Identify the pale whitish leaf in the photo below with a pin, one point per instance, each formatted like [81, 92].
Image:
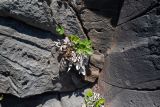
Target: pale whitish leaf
[83, 70]
[1, 97]
[69, 67]
[77, 67]
[83, 105]
[66, 40]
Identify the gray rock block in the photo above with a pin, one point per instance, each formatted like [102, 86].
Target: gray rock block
[132, 9]
[74, 99]
[134, 60]
[27, 66]
[99, 29]
[33, 12]
[120, 97]
[43, 14]
[127, 33]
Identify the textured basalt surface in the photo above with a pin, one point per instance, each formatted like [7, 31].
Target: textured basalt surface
[125, 32]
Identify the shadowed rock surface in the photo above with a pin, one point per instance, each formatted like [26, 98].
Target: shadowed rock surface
[70, 99]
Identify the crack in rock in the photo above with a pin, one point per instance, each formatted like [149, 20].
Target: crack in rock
[134, 89]
[142, 13]
[78, 17]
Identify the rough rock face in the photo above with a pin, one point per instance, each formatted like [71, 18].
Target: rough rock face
[28, 58]
[139, 60]
[42, 14]
[127, 33]
[121, 97]
[31, 12]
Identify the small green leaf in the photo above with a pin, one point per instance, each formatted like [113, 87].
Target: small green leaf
[87, 42]
[60, 30]
[100, 102]
[82, 46]
[74, 38]
[1, 97]
[89, 93]
[79, 51]
[89, 51]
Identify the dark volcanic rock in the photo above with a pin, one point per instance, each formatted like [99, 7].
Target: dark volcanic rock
[132, 9]
[28, 58]
[70, 99]
[132, 63]
[134, 59]
[127, 32]
[27, 66]
[119, 97]
[42, 14]
[32, 12]
[99, 29]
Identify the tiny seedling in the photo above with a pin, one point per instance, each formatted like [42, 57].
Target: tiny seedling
[60, 30]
